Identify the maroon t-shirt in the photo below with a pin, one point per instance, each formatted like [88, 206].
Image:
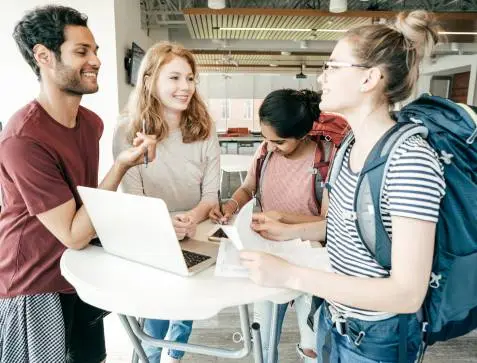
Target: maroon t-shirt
[41, 163]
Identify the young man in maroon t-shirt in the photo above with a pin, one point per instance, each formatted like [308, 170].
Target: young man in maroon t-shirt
[47, 149]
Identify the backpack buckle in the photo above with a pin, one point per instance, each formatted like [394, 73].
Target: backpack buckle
[446, 157]
[434, 283]
[424, 326]
[416, 120]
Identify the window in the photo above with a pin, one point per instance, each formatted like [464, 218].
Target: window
[248, 110]
[225, 109]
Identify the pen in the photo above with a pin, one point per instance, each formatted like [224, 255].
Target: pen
[220, 202]
[144, 132]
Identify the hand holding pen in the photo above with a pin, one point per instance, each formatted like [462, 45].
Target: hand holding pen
[222, 212]
[143, 150]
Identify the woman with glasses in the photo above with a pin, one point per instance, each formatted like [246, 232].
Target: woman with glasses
[371, 69]
[186, 172]
[286, 118]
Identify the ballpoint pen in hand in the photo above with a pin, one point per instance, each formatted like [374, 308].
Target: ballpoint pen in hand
[220, 202]
[144, 132]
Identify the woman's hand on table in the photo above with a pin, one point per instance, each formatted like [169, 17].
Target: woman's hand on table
[184, 226]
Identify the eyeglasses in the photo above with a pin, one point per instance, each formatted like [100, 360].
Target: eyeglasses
[332, 65]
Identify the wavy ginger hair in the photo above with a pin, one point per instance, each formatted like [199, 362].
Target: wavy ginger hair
[144, 104]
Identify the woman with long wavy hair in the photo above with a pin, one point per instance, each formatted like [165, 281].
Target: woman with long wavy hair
[186, 173]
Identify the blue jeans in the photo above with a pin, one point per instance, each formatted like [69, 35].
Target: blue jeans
[179, 331]
[378, 342]
[262, 314]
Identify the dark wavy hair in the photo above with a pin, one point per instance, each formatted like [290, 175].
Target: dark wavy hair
[291, 113]
[45, 25]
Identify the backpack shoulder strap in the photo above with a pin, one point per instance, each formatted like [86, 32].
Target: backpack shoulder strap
[324, 153]
[262, 162]
[472, 114]
[319, 170]
[369, 189]
[338, 160]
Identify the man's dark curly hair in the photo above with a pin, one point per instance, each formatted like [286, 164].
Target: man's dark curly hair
[45, 25]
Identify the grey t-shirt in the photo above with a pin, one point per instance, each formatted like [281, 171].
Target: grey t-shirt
[182, 174]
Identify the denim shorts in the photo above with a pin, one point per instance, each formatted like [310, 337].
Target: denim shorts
[365, 341]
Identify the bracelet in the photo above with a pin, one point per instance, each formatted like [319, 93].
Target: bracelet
[237, 206]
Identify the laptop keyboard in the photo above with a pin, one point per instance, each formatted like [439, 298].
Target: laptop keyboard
[192, 258]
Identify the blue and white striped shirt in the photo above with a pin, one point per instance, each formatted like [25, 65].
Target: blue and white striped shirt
[413, 188]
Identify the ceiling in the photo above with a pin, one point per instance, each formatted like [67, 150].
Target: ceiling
[259, 61]
[301, 21]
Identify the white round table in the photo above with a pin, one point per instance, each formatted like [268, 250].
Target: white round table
[135, 290]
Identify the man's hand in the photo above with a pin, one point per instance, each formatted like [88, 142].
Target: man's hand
[265, 269]
[135, 155]
[270, 228]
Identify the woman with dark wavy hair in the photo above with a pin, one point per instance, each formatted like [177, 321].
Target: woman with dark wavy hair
[286, 192]
[186, 174]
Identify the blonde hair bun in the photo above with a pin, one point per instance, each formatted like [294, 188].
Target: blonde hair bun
[420, 28]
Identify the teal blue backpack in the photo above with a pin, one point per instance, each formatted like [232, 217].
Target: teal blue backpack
[450, 307]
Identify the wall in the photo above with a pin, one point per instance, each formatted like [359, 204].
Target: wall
[127, 32]
[251, 85]
[240, 87]
[114, 23]
[449, 65]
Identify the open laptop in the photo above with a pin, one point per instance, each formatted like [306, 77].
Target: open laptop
[140, 229]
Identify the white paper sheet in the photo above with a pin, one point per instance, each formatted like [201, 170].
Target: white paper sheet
[297, 252]
[244, 237]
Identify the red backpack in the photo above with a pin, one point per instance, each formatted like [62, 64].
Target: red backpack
[328, 132]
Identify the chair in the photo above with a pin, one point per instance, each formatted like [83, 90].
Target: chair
[234, 164]
[237, 132]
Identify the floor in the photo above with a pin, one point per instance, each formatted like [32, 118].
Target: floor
[218, 331]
